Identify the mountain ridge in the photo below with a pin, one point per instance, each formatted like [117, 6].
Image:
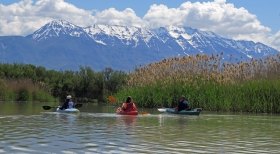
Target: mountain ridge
[62, 45]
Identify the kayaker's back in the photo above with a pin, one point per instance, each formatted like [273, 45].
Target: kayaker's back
[130, 107]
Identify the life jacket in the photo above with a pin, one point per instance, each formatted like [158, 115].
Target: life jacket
[70, 105]
[183, 105]
[129, 107]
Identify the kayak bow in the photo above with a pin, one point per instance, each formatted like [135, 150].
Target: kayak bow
[72, 110]
[195, 111]
[127, 113]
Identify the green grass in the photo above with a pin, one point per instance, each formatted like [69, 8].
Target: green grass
[259, 96]
[23, 90]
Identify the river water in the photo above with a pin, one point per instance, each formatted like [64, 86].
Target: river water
[28, 129]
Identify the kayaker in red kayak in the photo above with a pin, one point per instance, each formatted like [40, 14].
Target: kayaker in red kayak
[127, 107]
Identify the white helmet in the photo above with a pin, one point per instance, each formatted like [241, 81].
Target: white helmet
[68, 97]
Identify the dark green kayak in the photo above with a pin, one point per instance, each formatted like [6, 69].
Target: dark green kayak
[195, 111]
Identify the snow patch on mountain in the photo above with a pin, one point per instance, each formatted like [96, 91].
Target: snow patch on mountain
[124, 33]
[163, 41]
[58, 28]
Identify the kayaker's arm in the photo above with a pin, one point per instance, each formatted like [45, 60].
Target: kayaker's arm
[124, 106]
[134, 106]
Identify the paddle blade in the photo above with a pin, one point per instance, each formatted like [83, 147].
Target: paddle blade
[144, 113]
[162, 110]
[78, 105]
[46, 107]
[112, 99]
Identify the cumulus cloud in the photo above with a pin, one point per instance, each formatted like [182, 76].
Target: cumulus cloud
[217, 16]
[112, 16]
[161, 16]
[26, 16]
[275, 40]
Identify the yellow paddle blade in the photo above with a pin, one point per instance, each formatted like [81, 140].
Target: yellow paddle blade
[112, 99]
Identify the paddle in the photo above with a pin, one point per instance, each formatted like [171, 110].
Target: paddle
[78, 105]
[143, 113]
[112, 99]
[45, 107]
[162, 109]
[48, 107]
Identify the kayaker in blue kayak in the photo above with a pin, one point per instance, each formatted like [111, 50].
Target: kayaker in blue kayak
[183, 104]
[68, 104]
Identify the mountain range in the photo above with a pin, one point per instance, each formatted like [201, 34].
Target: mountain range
[61, 45]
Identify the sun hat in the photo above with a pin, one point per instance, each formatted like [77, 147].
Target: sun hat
[68, 97]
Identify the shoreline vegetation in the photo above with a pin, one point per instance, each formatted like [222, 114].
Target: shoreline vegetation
[25, 82]
[207, 82]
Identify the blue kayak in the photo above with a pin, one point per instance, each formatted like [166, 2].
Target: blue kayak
[72, 110]
[195, 111]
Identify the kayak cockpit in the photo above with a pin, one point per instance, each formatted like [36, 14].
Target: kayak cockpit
[71, 110]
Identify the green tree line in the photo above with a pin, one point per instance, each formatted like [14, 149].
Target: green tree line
[25, 82]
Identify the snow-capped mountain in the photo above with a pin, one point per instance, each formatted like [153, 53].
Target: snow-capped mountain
[58, 28]
[62, 45]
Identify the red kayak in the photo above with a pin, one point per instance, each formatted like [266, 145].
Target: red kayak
[121, 112]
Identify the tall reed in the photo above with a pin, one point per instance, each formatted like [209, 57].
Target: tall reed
[23, 90]
[252, 86]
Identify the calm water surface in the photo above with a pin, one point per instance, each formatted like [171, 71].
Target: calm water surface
[27, 128]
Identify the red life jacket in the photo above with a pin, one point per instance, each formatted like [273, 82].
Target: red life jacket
[130, 107]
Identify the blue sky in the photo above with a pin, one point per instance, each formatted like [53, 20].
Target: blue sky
[257, 20]
[267, 11]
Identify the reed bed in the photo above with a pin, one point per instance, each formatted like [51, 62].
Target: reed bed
[23, 90]
[252, 86]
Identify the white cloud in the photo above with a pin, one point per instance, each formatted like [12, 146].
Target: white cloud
[26, 16]
[275, 40]
[218, 16]
[112, 16]
[223, 18]
[161, 15]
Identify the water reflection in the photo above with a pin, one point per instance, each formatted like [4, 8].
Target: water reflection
[100, 132]
[129, 121]
[66, 118]
[181, 121]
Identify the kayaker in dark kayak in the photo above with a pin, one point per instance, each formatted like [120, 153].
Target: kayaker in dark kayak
[183, 104]
[127, 106]
[68, 104]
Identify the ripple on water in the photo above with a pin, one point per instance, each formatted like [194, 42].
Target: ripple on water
[111, 133]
